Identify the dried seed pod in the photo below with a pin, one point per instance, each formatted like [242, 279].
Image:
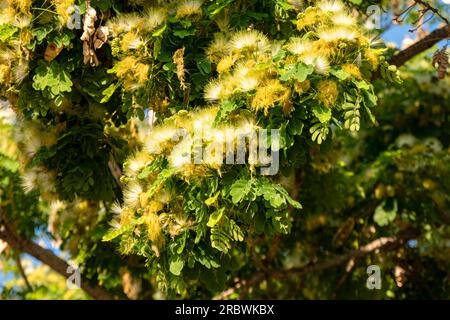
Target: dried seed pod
[440, 58]
[100, 37]
[93, 38]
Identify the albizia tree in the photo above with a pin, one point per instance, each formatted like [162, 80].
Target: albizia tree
[127, 110]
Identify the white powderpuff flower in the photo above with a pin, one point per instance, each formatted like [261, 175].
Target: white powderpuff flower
[321, 65]
[29, 181]
[340, 33]
[241, 70]
[218, 48]
[206, 117]
[181, 154]
[189, 7]
[331, 6]
[252, 39]
[32, 143]
[135, 164]
[299, 46]
[21, 21]
[126, 23]
[153, 17]
[275, 49]
[213, 91]
[37, 178]
[248, 83]
[342, 19]
[3, 246]
[433, 143]
[114, 224]
[131, 194]
[158, 136]
[405, 140]
[246, 127]
[116, 209]
[136, 43]
[310, 60]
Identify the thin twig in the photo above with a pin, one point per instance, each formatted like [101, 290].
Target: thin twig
[22, 272]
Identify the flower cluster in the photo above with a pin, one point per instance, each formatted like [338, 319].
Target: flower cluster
[131, 44]
[16, 15]
[310, 71]
[328, 49]
[171, 149]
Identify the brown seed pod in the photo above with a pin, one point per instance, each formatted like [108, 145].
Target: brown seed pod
[440, 58]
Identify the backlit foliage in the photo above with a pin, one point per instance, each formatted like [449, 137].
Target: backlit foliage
[126, 195]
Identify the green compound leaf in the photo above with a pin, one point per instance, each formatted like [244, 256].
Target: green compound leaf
[176, 265]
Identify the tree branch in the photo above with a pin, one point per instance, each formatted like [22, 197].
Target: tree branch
[22, 272]
[420, 46]
[49, 258]
[384, 243]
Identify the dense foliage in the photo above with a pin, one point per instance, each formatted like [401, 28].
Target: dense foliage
[362, 147]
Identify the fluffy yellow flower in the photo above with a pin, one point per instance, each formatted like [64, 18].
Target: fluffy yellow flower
[225, 64]
[125, 65]
[321, 65]
[327, 92]
[131, 41]
[153, 18]
[160, 138]
[343, 19]
[136, 163]
[154, 230]
[132, 195]
[271, 93]
[218, 48]
[22, 6]
[131, 22]
[133, 73]
[189, 8]
[5, 74]
[253, 41]
[353, 70]
[214, 91]
[142, 72]
[302, 87]
[325, 48]
[338, 33]
[372, 58]
[193, 171]
[310, 17]
[333, 6]
[299, 46]
[63, 9]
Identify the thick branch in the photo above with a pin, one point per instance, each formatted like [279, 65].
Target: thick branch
[420, 46]
[384, 243]
[49, 258]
